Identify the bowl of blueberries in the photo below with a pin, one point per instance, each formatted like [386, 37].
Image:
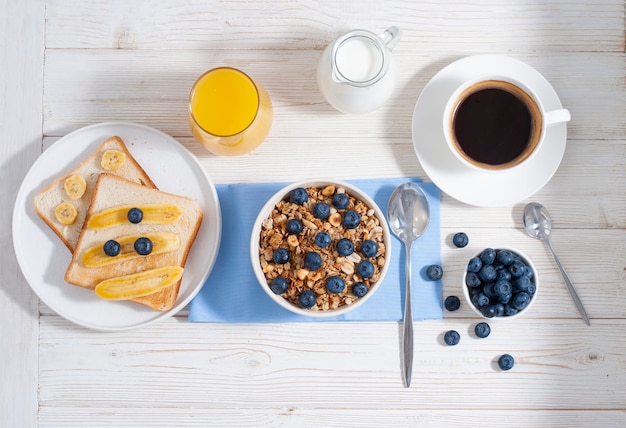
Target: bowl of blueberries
[500, 283]
[319, 248]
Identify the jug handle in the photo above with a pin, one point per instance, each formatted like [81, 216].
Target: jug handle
[390, 36]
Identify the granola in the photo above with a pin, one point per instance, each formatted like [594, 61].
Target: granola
[275, 235]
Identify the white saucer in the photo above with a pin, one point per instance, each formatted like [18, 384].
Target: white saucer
[466, 184]
[43, 258]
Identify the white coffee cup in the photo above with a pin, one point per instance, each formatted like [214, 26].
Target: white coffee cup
[494, 123]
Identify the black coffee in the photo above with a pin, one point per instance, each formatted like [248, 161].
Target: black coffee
[493, 126]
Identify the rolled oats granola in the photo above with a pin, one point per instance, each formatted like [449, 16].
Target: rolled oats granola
[342, 276]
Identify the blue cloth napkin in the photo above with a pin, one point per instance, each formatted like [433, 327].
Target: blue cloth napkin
[232, 294]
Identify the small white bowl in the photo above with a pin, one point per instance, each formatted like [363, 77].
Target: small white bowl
[535, 281]
[265, 213]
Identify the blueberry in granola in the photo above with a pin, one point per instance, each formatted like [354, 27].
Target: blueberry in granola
[294, 226]
[341, 200]
[279, 285]
[350, 219]
[312, 260]
[299, 196]
[321, 210]
[323, 239]
[334, 284]
[369, 248]
[345, 247]
[307, 299]
[359, 289]
[365, 269]
[281, 256]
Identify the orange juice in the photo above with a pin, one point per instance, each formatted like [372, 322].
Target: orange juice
[229, 113]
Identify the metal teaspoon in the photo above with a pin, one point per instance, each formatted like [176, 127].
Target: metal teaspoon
[538, 224]
[408, 215]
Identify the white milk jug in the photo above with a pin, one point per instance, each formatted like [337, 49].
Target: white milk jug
[357, 73]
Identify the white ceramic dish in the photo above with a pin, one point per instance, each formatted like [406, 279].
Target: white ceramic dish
[265, 212]
[535, 280]
[470, 185]
[43, 258]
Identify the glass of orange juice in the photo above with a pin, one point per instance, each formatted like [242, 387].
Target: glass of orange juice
[229, 113]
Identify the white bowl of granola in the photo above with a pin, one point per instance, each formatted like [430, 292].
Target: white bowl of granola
[319, 248]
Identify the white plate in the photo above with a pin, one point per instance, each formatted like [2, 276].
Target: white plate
[466, 184]
[43, 258]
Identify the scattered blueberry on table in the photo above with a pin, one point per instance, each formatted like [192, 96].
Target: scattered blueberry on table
[452, 337]
[460, 240]
[434, 272]
[482, 330]
[452, 303]
[506, 362]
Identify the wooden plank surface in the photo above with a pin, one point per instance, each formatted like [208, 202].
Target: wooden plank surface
[114, 60]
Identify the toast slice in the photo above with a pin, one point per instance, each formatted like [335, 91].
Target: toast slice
[170, 221]
[47, 200]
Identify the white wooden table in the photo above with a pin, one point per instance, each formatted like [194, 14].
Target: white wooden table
[67, 64]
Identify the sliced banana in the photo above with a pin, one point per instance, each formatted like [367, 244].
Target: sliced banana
[138, 284]
[113, 160]
[66, 213]
[152, 214]
[75, 186]
[163, 242]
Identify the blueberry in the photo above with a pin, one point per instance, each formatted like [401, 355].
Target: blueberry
[522, 283]
[488, 256]
[506, 362]
[323, 239]
[503, 274]
[452, 303]
[279, 285]
[345, 247]
[299, 196]
[307, 299]
[509, 309]
[312, 260]
[341, 200]
[135, 215]
[365, 269]
[472, 279]
[520, 300]
[517, 269]
[460, 240]
[350, 219]
[505, 298]
[321, 210]
[488, 311]
[489, 291]
[334, 284]
[505, 257]
[451, 337]
[474, 265]
[532, 289]
[480, 300]
[112, 248]
[281, 256]
[359, 289]
[487, 273]
[482, 330]
[294, 226]
[499, 309]
[502, 287]
[369, 248]
[434, 272]
[143, 246]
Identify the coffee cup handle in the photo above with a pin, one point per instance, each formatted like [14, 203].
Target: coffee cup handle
[557, 116]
